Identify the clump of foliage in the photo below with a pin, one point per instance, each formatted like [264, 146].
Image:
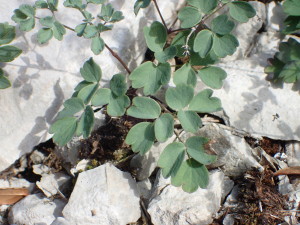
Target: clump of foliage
[183, 161]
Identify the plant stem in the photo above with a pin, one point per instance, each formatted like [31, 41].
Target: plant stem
[162, 19]
[177, 136]
[214, 13]
[118, 58]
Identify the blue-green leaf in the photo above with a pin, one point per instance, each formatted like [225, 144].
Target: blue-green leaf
[106, 12]
[167, 54]
[222, 25]
[7, 33]
[290, 72]
[87, 93]
[4, 82]
[86, 122]
[212, 76]
[203, 43]
[97, 2]
[28, 24]
[72, 106]
[140, 4]
[58, 30]
[91, 71]
[79, 29]
[189, 120]
[292, 7]
[118, 84]
[116, 17]
[179, 97]
[180, 40]
[18, 16]
[44, 35]
[97, 45]
[189, 16]
[156, 36]
[164, 127]
[40, 5]
[144, 108]
[47, 21]
[211, 58]
[185, 75]
[117, 105]
[241, 11]
[28, 10]
[102, 97]
[206, 6]
[8, 53]
[204, 103]
[225, 45]
[90, 31]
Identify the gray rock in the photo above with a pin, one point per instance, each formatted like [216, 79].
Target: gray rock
[293, 153]
[104, 195]
[173, 206]
[60, 221]
[35, 209]
[145, 187]
[17, 183]
[227, 187]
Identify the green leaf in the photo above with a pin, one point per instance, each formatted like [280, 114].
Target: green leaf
[106, 12]
[290, 72]
[144, 108]
[64, 130]
[47, 21]
[87, 15]
[73, 3]
[4, 82]
[72, 106]
[86, 123]
[189, 120]
[40, 5]
[91, 71]
[79, 29]
[118, 84]
[54, 3]
[102, 28]
[140, 4]
[156, 36]
[189, 16]
[196, 150]
[151, 77]
[97, 2]
[289, 51]
[141, 137]
[210, 59]
[225, 45]
[117, 105]
[8, 53]
[222, 25]
[180, 40]
[27, 25]
[164, 127]
[44, 35]
[58, 30]
[88, 92]
[7, 34]
[81, 85]
[171, 159]
[241, 11]
[191, 175]
[116, 17]
[90, 31]
[292, 7]
[28, 10]
[167, 54]
[185, 75]
[212, 76]
[204, 103]
[179, 97]
[275, 68]
[206, 6]
[203, 42]
[102, 97]
[97, 45]
[293, 24]
[18, 16]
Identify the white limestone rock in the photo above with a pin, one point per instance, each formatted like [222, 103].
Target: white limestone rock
[104, 195]
[275, 16]
[293, 153]
[17, 183]
[60, 221]
[173, 206]
[34, 209]
[145, 189]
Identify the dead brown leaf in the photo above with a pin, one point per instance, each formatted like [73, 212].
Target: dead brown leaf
[293, 170]
[10, 196]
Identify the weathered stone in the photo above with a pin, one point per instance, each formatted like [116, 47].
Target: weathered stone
[17, 183]
[145, 189]
[60, 221]
[104, 195]
[293, 153]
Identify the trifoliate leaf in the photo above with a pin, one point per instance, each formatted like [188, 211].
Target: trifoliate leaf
[118, 84]
[79, 29]
[96, 1]
[179, 97]
[212, 76]
[189, 16]
[204, 103]
[206, 6]
[88, 92]
[189, 120]
[222, 25]
[40, 5]
[191, 174]
[275, 68]
[185, 75]
[293, 24]
[28, 10]
[81, 85]
[28, 24]
[87, 15]
[91, 71]
[86, 123]
[151, 77]
[141, 137]
[106, 12]
[241, 11]
[210, 59]
[180, 40]
[288, 51]
[102, 97]
[140, 4]
[292, 7]
[18, 16]
[203, 42]
[58, 30]
[291, 72]
[156, 36]
[4, 82]
[63, 130]
[225, 45]
[117, 105]
[103, 28]
[90, 31]
[164, 127]
[44, 35]
[171, 159]
[167, 54]
[116, 17]
[7, 34]
[196, 150]
[97, 45]
[8, 53]
[47, 21]
[72, 106]
[144, 108]
[73, 3]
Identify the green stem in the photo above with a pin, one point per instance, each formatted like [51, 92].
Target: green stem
[213, 13]
[178, 136]
[162, 19]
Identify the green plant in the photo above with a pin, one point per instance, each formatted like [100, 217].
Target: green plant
[9, 52]
[286, 63]
[204, 45]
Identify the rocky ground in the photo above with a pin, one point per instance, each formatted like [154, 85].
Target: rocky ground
[99, 180]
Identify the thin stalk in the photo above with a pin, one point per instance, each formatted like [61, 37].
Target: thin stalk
[162, 19]
[177, 136]
[213, 13]
[118, 58]
[170, 29]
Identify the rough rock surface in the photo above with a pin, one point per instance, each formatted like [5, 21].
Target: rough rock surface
[104, 195]
[173, 206]
[35, 209]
